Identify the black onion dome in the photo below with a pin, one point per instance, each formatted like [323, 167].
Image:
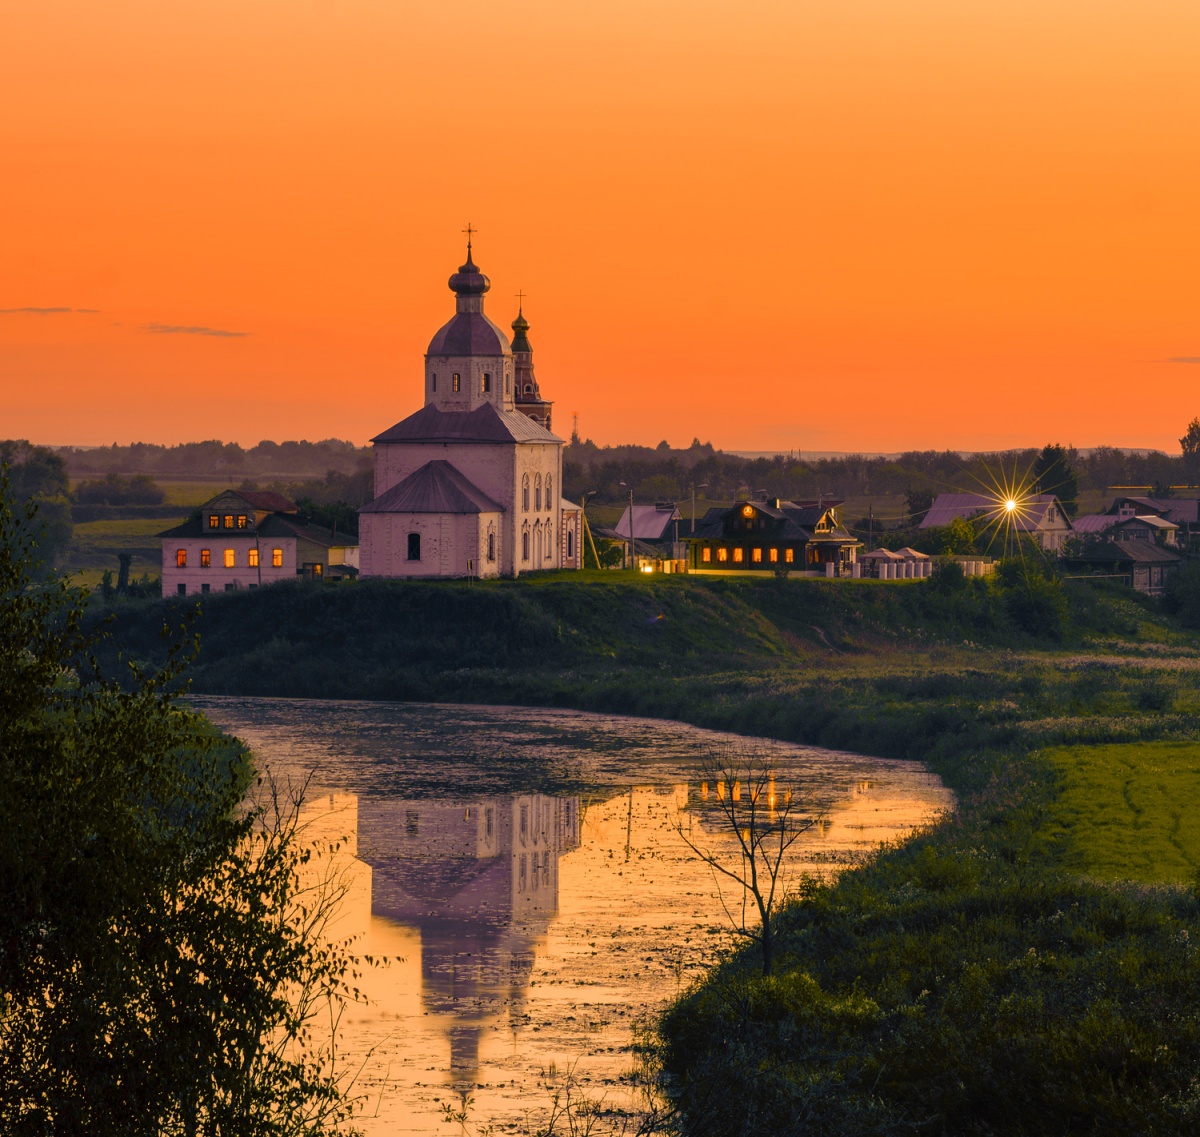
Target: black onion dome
[469, 281]
[520, 340]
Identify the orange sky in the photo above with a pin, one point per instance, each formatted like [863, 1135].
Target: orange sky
[813, 224]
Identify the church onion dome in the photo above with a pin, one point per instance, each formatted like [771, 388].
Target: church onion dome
[469, 281]
[469, 333]
[520, 340]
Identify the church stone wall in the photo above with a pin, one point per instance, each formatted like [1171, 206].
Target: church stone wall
[448, 541]
[499, 470]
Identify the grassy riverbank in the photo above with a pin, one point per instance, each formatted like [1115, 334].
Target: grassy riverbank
[1021, 968]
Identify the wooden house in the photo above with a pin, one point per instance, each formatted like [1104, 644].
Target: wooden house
[770, 534]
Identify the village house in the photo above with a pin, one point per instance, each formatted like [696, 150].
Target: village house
[245, 539]
[770, 534]
[1038, 516]
[470, 484]
[1143, 565]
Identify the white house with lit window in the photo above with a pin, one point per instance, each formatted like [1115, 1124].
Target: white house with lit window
[244, 539]
[470, 485]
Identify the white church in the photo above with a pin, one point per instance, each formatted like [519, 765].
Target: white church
[470, 484]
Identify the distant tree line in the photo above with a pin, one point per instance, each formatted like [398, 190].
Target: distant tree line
[663, 473]
[267, 459]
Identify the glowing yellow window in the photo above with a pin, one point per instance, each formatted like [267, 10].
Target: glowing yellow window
[214, 522]
[205, 558]
[456, 381]
[756, 556]
[277, 558]
[181, 558]
[229, 521]
[739, 555]
[774, 556]
[706, 554]
[230, 558]
[789, 555]
[722, 554]
[241, 522]
[252, 558]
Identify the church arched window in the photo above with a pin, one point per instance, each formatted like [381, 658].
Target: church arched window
[456, 382]
[537, 493]
[525, 544]
[491, 543]
[507, 383]
[570, 544]
[414, 546]
[433, 381]
[549, 497]
[525, 494]
[486, 385]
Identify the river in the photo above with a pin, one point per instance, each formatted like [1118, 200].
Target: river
[524, 873]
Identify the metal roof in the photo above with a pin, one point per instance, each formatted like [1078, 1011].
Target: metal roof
[469, 333]
[1133, 552]
[649, 522]
[437, 487]
[1029, 518]
[484, 424]
[1093, 523]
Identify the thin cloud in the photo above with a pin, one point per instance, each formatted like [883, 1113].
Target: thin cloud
[190, 330]
[35, 311]
[1184, 359]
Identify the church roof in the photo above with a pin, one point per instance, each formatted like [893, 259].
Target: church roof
[484, 424]
[468, 333]
[437, 487]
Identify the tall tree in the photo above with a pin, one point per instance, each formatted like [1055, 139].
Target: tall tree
[159, 962]
[39, 475]
[1053, 473]
[1190, 445]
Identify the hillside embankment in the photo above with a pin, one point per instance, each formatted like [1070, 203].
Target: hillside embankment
[1026, 966]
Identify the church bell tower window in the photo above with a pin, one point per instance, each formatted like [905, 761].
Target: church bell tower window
[433, 381]
[414, 546]
[456, 382]
[486, 385]
[525, 492]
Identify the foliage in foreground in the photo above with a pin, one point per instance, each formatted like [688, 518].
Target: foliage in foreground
[161, 959]
[965, 983]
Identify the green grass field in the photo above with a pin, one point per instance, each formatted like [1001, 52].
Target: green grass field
[1131, 811]
[96, 544]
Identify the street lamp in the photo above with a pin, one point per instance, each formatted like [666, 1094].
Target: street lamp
[630, 489]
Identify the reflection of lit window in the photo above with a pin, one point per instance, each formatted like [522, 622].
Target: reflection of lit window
[181, 558]
[252, 558]
[277, 558]
[230, 558]
[205, 558]
[738, 555]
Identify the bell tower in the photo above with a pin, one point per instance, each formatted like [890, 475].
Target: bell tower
[528, 397]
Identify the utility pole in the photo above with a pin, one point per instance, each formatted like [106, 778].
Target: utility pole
[630, 489]
[694, 488]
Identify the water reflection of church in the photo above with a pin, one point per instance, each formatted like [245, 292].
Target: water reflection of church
[479, 880]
